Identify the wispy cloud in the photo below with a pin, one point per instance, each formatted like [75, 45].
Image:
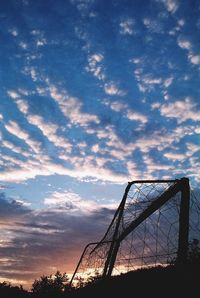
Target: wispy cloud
[71, 107]
[74, 203]
[95, 66]
[185, 44]
[171, 5]
[123, 107]
[127, 27]
[135, 116]
[112, 88]
[181, 110]
[175, 156]
[14, 128]
[15, 148]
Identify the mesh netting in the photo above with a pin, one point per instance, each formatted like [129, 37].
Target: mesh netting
[153, 242]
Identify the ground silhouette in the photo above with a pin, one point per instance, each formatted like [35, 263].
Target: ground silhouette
[174, 280]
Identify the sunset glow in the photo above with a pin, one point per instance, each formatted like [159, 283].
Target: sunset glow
[94, 94]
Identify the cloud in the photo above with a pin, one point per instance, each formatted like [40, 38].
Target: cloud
[194, 59]
[135, 116]
[112, 88]
[127, 27]
[116, 106]
[153, 25]
[193, 148]
[95, 67]
[171, 5]
[14, 128]
[73, 203]
[83, 6]
[155, 105]
[47, 128]
[146, 82]
[14, 32]
[122, 107]
[11, 209]
[168, 82]
[184, 43]
[71, 107]
[175, 156]
[52, 238]
[181, 110]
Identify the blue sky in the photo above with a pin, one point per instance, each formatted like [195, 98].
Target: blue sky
[93, 94]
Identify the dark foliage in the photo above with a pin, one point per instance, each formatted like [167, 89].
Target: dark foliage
[7, 290]
[174, 280]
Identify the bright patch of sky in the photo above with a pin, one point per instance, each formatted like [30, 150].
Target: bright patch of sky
[94, 94]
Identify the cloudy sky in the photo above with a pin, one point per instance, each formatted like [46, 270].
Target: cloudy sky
[94, 94]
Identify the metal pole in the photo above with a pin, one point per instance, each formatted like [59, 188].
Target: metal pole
[109, 264]
[184, 222]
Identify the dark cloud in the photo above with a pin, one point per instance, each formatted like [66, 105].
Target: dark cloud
[46, 240]
[11, 208]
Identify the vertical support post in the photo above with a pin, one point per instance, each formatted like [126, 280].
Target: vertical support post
[112, 254]
[184, 221]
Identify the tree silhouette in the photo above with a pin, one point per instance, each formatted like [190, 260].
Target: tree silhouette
[51, 286]
[7, 290]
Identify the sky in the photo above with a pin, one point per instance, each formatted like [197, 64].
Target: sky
[93, 94]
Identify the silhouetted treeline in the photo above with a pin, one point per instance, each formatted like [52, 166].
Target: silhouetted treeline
[174, 280]
[170, 281]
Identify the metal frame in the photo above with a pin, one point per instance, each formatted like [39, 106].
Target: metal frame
[180, 185]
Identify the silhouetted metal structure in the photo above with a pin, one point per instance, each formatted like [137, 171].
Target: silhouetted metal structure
[158, 210]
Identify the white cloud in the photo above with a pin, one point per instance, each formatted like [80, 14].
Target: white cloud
[23, 45]
[194, 59]
[70, 201]
[168, 82]
[131, 115]
[181, 110]
[31, 71]
[127, 27]
[14, 128]
[13, 94]
[193, 148]
[181, 22]
[116, 106]
[82, 5]
[49, 130]
[184, 43]
[111, 88]
[146, 82]
[41, 42]
[13, 32]
[151, 81]
[95, 67]
[153, 166]
[81, 168]
[155, 105]
[71, 108]
[153, 25]
[15, 148]
[175, 156]
[171, 5]
[22, 105]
